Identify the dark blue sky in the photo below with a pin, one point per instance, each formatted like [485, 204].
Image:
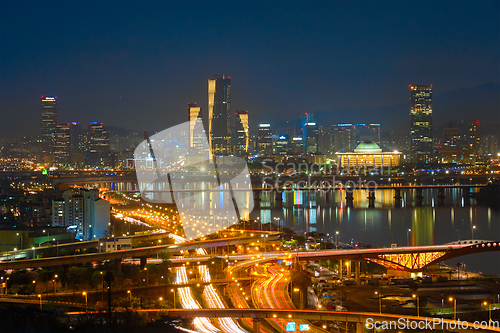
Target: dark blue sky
[137, 65]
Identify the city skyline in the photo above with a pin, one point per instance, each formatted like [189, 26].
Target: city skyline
[327, 72]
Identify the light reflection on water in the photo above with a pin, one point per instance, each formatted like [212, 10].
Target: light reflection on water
[432, 223]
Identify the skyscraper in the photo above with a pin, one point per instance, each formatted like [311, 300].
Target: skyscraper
[344, 137]
[98, 153]
[62, 144]
[421, 119]
[451, 137]
[264, 140]
[241, 133]
[48, 112]
[473, 138]
[194, 112]
[219, 115]
[310, 134]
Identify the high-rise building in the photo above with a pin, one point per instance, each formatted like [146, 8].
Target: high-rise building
[344, 137]
[451, 137]
[48, 111]
[310, 134]
[194, 113]
[325, 144]
[297, 145]
[367, 133]
[264, 140]
[77, 141]
[473, 138]
[219, 115]
[421, 119]
[282, 145]
[241, 134]
[98, 153]
[62, 144]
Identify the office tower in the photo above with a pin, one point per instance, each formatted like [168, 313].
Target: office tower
[367, 133]
[310, 134]
[62, 144]
[194, 113]
[219, 115]
[344, 137]
[98, 153]
[282, 145]
[77, 144]
[48, 111]
[473, 138]
[264, 140]
[325, 144]
[241, 133]
[421, 119]
[490, 144]
[297, 145]
[451, 137]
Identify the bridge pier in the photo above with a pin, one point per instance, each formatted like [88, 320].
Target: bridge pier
[419, 196]
[349, 264]
[278, 199]
[118, 265]
[256, 325]
[357, 269]
[349, 197]
[371, 199]
[340, 269]
[397, 197]
[144, 261]
[441, 196]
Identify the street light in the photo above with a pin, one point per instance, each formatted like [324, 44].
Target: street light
[379, 301]
[454, 307]
[54, 282]
[489, 310]
[173, 290]
[85, 294]
[130, 297]
[408, 237]
[336, 240]
[147, 276]
[40, 297]
[418, 304]
[473, 227]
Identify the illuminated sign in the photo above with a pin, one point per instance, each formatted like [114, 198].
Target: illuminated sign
[49, 98]
[279, 262]
[264, 125]
[290, 327]
[304, 327]
[297, 139]
[311, 124]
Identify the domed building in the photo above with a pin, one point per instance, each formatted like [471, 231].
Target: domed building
[368, 155]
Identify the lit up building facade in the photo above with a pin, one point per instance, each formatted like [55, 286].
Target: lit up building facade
[194, 113]
[98, 153]
[219, 115]
[297, 145]
[310, 134]
[344, 137]
[264, 140]
[368, 155]
[62, 144]
[242, 138]
[451, 137]
[420, 119]
[473, 138]
[282, 145]
[48, 115]
[367, 132]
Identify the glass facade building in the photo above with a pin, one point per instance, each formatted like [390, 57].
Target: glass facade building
[219, 115]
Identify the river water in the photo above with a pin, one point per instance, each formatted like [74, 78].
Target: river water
[431, 223]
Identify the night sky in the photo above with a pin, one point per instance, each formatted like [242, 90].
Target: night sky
[137, 65]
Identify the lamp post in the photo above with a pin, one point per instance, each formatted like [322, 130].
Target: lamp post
[489, 309]
[85, 294]
[173, 290]
[54, 282]
[130, 297]
[473, 227]
[379, 301]
[408, 237]
[454, 307]
[147, 276]
[7, 287]
[33, 286]
[336, 240]
[418, 304]
[40, 297]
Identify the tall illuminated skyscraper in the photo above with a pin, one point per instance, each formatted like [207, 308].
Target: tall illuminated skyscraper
[98, 153]
[241, 135]
[48, 112]
[421, 119]
[62, 144]
[219, 115]
[264, 140]
[310, 133]
[194, 112]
